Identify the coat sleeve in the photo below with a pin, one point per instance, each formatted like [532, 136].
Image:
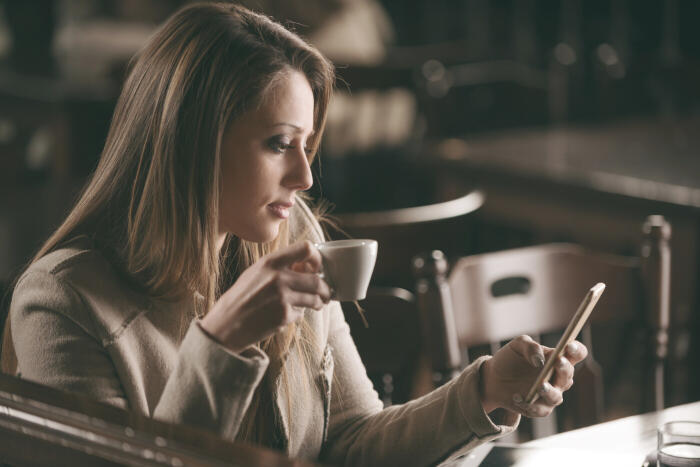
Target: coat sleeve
[57, 345]
[444, 423]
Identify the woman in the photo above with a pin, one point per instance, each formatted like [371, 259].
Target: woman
[183, 284]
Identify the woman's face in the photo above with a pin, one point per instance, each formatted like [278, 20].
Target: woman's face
[264, 161]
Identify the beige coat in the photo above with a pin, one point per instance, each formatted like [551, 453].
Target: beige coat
[77, 326]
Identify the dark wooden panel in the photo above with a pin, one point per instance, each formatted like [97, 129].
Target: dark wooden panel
[47, 426]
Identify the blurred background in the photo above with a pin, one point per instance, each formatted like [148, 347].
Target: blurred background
[564, 120]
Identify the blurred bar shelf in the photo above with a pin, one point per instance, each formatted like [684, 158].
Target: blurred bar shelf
[640, 158]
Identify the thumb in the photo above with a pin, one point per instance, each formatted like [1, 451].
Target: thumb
[530, 350]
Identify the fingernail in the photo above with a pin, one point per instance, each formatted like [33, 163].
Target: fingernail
[543, 389]
[537, 361]
[572, 348]
[517, 398]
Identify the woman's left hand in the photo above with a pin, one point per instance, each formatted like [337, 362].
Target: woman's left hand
[506, 378]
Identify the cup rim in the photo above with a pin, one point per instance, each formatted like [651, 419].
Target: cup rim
[666, 427]
[345, 243]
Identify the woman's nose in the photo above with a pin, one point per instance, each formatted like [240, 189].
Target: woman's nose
[299, 176]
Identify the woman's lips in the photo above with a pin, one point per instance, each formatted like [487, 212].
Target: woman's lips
[280, 210]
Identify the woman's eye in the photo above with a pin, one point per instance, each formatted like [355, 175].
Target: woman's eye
[278, 144]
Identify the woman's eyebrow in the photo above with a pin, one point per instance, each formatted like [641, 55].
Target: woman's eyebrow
[297, 129]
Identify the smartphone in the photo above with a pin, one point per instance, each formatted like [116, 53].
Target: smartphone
[572, 330]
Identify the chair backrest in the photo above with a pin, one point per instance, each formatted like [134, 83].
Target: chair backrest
[405, 232]
[536, 290]
[390, 344]
[490, 298]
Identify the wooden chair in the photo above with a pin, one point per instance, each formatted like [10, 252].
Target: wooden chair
[402, 199]
[390, 347]
[489, 298]
[405, 232]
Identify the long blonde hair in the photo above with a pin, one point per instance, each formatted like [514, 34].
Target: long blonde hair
[152, 205]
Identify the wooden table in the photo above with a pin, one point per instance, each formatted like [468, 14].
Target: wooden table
[622, 442]
[634, 435]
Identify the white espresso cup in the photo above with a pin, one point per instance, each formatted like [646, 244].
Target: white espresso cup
[348, 266]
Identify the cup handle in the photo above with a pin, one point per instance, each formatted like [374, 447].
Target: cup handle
[322, 275]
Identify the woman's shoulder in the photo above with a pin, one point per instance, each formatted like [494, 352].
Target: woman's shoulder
[73, 255]
[76, 280]
[77, 263]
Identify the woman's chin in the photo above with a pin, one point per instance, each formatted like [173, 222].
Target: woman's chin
[264, 235]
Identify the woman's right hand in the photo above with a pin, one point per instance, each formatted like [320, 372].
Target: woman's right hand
[267, 296]
[506, 378]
